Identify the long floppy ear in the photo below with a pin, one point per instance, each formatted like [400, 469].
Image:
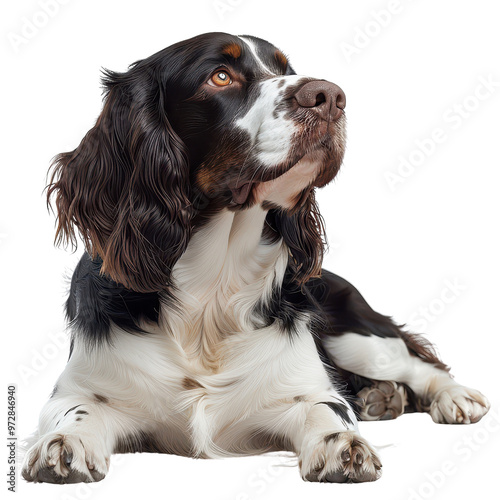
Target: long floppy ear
[303, 232]
[126, 188]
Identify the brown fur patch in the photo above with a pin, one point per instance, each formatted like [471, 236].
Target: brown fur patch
[35, 457]
[420, 347]
[332, 437]
[233, 50]
[281, 58]
[190, 383]
[56, 441]
[101, 399]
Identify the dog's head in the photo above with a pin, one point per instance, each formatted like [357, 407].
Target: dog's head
[214, 122]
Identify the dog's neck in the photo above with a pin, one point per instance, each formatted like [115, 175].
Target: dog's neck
[226, 270]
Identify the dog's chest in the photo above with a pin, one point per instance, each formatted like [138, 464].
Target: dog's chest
[256, 371]
[225, 272]
[222, 362]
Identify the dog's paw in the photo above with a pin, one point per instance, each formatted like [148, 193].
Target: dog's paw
[342, 457]
[458, 405]
[64, 458]
[384, 400]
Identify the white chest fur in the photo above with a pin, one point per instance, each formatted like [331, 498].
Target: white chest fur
[235, 368]
[224, 272]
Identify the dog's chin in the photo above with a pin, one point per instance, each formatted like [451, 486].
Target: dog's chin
[313, 169]
[284, 190]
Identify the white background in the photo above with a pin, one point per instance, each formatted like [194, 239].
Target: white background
[432, 242]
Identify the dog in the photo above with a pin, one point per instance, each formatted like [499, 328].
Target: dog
[202, 323]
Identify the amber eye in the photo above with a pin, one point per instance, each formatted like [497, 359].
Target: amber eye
[220, 79]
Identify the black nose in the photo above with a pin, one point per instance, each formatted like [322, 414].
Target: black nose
[324, 97]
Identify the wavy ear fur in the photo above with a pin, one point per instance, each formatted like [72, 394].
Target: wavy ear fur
[303, 232]
[126, 188]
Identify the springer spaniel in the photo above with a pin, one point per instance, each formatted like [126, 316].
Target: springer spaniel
[201, 321]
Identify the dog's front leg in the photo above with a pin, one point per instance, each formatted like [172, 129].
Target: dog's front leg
[324, 434]
[77, 435]
[331, 449]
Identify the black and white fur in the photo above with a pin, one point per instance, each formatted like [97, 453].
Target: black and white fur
[234, 355]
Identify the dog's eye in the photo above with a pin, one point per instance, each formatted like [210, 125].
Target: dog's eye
[220, 79]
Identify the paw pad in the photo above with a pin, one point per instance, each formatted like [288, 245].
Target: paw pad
[384, 400]
[342, 457]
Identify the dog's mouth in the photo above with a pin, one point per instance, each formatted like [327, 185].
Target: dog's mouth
[241, 192]
[326, 150]
[242, 189]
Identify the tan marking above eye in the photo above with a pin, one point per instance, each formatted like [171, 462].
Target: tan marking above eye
[281, 58]
[220, 79]
[233, 50]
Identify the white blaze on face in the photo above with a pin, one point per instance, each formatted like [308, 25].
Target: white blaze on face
[270, 131]
[271, 136]
[249, 43]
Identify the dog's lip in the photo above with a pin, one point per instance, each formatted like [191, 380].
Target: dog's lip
[241, 191]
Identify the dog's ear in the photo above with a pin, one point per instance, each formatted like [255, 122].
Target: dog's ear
[302, 230]
[126, 187]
